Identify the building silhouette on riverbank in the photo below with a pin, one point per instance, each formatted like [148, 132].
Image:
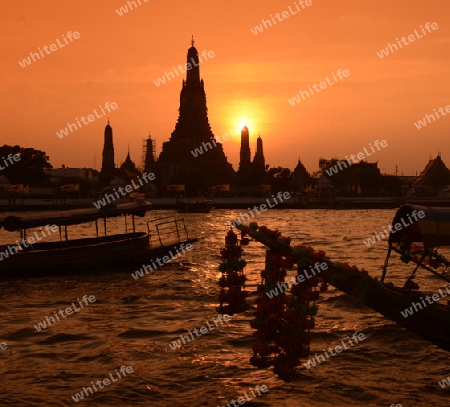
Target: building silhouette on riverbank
[192, 156]
[108, 169]
[250, 173]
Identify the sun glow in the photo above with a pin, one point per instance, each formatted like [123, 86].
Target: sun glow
[242, 123]
[244, 113]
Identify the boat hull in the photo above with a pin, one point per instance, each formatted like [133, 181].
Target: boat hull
[432, 322]
[80, 256]
[194, 206]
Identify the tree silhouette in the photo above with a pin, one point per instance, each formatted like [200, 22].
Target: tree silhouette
[29, 170]
[280, 178]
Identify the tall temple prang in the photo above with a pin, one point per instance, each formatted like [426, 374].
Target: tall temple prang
[258, 172]
[108, 167]
[149, 155]
[192, 156]
[245, 163]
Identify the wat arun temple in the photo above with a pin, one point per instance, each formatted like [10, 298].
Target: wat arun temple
[176, 163]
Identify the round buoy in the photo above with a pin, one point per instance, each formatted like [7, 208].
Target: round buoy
[11, 223]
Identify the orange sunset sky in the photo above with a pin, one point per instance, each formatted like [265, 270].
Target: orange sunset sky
[117, 58]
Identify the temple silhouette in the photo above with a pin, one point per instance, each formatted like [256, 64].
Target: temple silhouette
[258, 170]
[191, 156]
[245, 164]
[108, 170]
[250, 173]
[176, 163]
[110, 174]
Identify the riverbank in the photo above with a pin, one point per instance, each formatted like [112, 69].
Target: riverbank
[236, 203]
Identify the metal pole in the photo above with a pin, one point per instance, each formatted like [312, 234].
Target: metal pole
[178, 232]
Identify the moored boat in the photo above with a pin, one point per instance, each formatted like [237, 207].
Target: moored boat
[416, 234]
[32, 257]
[202, 206]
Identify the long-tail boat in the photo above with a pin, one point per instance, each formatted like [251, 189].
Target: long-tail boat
[33, 257]
[417, 233]
[201, 206]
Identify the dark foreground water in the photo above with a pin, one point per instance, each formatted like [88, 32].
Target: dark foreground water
[131, 324]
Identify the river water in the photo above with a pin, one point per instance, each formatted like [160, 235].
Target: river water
[131, 323]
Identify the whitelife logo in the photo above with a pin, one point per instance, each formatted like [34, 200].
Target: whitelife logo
[240, 400]
[435, 116]
[33, 55]
[12, 158]
[284, 15]
[90, 118]
[282, 287]
[188, 66]
[394, 228]
[69, 311]
[203, 330]
[124, 10]
[206, 146]
[416, 306]
[411, 37]
[322, 85]
[360, 156]
[161, 262]
[357, 337]
[106, 382]
[12, 249]
[445, 382]
[128, 189]
[243, 217]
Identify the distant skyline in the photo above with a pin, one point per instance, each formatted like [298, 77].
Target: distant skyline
[87, 54]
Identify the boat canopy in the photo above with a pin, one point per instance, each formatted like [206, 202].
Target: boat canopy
[426, 225]
[75, 217]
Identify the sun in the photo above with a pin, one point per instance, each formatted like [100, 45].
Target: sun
[244, 113]
[244, 122]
